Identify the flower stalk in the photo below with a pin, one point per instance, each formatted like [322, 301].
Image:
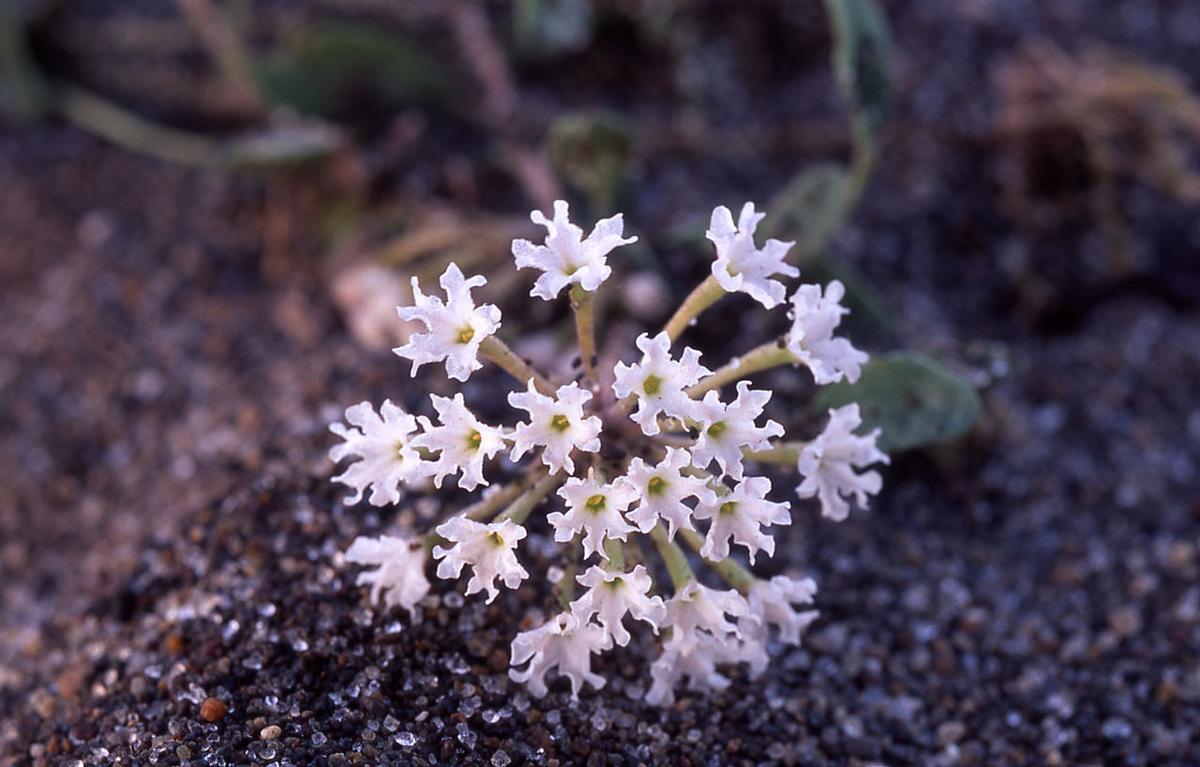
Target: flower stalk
[498, 352]
[769, 355]
[703, 296]
[585, 329]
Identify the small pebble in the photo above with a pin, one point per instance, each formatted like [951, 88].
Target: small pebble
[213, 710]
[270, 732]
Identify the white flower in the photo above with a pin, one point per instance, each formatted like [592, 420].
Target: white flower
[771, 605]
[400, 578]
[696, 611]
[557, 424]
[726, 429]
[740, 265]
[740, 515]
[490, 550]
[566, 257]
[386, 453]
[828, 464]
[564, 642]
[661, 490]
[462, 441]
[455, 328]
[594, 509]
[611, 595]
[698, 666]
[659, 382]
[814, 318]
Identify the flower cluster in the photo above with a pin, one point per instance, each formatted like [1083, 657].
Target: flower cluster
[684, 474]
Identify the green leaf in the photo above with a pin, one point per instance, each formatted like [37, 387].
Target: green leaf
[590, 151]
[810, 209]
[333, 69]
[914, 399]
[862, 50]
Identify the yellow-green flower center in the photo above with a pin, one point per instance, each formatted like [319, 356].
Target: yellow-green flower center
[560, 423]
[399, 451]
[728, 507]
[652, 384]
[615, 583]
[717, 429]
[495, 538]
[474, 440]
[596, 503]
[656, 486]
[466, 334]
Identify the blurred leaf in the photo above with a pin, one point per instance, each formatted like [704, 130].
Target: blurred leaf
[590, 151]
[333, 68]
[283, 146]
[914, 399]
[810, 209]
[544, 28]
[24, 92]
[861, 54]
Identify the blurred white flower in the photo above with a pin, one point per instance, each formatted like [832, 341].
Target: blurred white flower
[698, 665]
[661, 490]
[564, 643]
[741, 515]
[828, 464]
[594, 509]
[462, 442]
[454, 328]
[659, 382]
[726, 429]
[382, 445]
[489, 549]
[612, 594]
[567, 257]
[399, 578]
[696, 611]
[557, 424]
[771, 605]
[814, 317]
[742, 266]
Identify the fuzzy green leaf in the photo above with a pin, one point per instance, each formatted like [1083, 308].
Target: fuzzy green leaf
[861, 53]
[914, 399]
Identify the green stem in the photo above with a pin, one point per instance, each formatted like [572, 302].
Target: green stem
[585, 329]
[674, 558]
[787, 453]
[730, 571]
[769, 355]
[497, 351]
[705, 295]
[614, 554]
[127, 130]
[519, 509]
[493, 502]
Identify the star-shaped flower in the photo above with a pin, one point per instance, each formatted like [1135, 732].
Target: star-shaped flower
[454, 328]
[726, 429]
[698, 665]
[611, 595]
[828, 464]
[740, 265]
[811, 340]
[696, 611]
[399, 579]
[661, 490]
[659, 382]
[557, 424]
[594, 509]
[740, 515]
[387, 458]
[566, 257]
[771, 605]
[462, 441]
[564, 642]
[489, 549]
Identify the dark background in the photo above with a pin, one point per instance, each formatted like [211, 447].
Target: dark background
[206, 211]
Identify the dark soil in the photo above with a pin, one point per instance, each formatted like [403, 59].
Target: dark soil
[173, 591]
